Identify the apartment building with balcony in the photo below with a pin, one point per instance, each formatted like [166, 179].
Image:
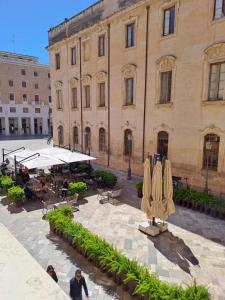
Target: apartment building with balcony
[132, 77]
[25, 95]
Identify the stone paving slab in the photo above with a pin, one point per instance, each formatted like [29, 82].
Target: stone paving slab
[21, 277]
[177, 255]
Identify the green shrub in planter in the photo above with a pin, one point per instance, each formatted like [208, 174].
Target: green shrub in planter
[78, 187]
[16, 194]
[83, 168]
[6, 183]
[109, 179]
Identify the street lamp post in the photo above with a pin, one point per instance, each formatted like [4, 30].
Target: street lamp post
[208, 147]
[129, 177]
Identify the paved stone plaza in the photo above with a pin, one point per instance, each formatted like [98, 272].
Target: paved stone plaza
[194, 246]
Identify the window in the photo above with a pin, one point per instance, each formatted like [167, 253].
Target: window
[169, 21]
[129, 87]
[10, 82]
[36, 99]
[102, 139]
[130, 35]
[74, 97]
[73, 56]
[49, 99]
[75, 136]
[102, 94]
[49, 75]
[0, 109]
[35, 74]
[57, 61]
[219, 9]
[211, 152]
[101, 45]
[87, 138]
[25, 110]
[217, 81]
[12, 109]
[11, 97]
[87, 94]
[162, 144]
[24, 84]
[128, 142]
[166, 85]
[36, 85]
[24, 97]
[60, 135]
[37, 110]
[59, 99]
[23, 72]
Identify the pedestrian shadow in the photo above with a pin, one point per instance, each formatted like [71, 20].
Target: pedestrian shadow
[175, 250]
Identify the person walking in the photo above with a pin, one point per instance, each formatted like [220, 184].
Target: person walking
[76, 284]
[52, 273]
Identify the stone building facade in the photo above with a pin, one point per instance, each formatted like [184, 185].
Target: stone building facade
[139, 77]
[25, 93]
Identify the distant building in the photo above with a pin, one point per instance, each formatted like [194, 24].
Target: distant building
[25, 94]
[132, 77]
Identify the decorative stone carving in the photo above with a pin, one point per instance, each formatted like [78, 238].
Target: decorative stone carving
[86, 79]
[215, 51]
[74, 82]
[166, 62]
[129, 70]
[58, 84]
[101, 76]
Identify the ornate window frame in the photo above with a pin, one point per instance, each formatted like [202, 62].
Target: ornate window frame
[215, 53]
[128, 71]
[169, 130]
[101, 77]
[87, 80]
[212, 129]
[59, 87]
[126, 22]
[100, 32]
[164, 64]
[74, 83]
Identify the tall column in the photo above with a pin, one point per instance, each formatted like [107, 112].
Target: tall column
[32, 126]
[45, 125]
[6, 126]
[19, 126]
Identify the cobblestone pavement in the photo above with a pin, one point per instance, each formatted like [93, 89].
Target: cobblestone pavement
[193, 247]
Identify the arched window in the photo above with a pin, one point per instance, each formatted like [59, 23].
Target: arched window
[162, 144]
[75, 136]
[128, 142]
[211, 152]
[102, 139]
[87, 138]
[60, 135]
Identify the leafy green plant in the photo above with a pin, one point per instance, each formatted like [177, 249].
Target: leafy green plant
[42, 173]
[109, 179]
[139, 185]
[78, 187]
[16, 194]
[83, 167]
[6, 183]
[112, 260]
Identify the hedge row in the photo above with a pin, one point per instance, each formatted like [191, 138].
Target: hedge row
[111, 260]
[109, 179]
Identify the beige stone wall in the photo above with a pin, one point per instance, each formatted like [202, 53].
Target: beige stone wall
[197, 42]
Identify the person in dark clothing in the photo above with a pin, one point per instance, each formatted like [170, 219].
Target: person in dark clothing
[76, 284]
[65, 187]
[52, 273]
[28, 192]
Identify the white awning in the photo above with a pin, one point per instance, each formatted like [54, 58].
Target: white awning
[65, 155]
[41, 162]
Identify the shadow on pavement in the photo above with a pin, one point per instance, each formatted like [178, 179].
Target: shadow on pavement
[175, 250]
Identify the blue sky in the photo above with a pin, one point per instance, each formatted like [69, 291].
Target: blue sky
[24, 24]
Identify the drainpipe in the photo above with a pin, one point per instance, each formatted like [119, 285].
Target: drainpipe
[108, 94]
[146, 80]
[81, 99]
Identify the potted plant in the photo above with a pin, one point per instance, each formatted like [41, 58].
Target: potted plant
[78, 187]
[6, 183]
[16, 195]
[139, 187]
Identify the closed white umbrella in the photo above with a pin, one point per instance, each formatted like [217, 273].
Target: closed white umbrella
[168, 191]
[147, 188]
[158, 209]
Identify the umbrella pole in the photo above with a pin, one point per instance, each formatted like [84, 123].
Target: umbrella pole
[153, 221]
